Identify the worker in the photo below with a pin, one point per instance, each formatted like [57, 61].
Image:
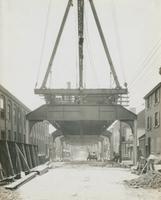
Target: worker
[150, 162]
[142, 165]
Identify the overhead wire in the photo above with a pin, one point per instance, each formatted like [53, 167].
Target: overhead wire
[76, 45]
[148, 58]
[146, 74]
[43, 41]
[141, 64]
[145, 65]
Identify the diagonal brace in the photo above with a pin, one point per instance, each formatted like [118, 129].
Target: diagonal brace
[56, 43]
[104, 43]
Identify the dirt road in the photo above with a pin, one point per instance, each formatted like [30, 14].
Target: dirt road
[83, 182]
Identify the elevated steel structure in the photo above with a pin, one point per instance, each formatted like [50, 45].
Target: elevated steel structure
[82, 111]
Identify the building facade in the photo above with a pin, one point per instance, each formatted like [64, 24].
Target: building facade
[15, 136]
[122, 140]
[141, 133]
[153, 121]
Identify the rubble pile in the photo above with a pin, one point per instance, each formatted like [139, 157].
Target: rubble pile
[8, 195]
[152, 179]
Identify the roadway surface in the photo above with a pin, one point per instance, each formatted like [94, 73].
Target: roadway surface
[84, 182]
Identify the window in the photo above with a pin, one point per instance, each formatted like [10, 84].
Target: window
[1, 102]
[19, 121]
[24, 138]
[3, 135]
[2, 107]
[15, 136]
[14, 116]
[157, 96]
[9, 111]
[149, 102]
[24, 120]
[156, 119]
[9, 135]
[149, 123]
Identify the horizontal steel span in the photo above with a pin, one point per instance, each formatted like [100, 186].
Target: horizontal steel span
[81, 112]
[80, 91]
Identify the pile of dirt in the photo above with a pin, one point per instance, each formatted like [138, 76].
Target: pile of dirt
[151, 179]
[8, 195]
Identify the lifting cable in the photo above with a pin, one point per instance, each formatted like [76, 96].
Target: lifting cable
[88, 44]
[76, 45]
[115, 22]
[43, 41]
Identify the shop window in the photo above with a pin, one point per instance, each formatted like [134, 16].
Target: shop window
[157, 96]
[156, 119]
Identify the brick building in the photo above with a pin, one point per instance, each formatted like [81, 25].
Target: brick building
[15, 137]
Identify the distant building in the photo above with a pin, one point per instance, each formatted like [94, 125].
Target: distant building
[141, 132]
[121, 130]
[153, 120]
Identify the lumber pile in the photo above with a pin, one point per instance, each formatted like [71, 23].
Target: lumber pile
[151, 179]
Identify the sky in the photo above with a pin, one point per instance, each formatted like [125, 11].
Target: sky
[28, 30]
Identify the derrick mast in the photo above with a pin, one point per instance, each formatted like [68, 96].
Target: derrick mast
[80, 39]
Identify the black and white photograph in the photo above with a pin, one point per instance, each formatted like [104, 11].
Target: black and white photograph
[80, 99]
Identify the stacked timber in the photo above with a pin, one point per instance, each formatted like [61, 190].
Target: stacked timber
[151, 179]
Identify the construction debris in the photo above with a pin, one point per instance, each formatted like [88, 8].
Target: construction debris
[152, 179]
[8, 195]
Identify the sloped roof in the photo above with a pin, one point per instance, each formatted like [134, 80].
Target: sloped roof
[149, 93]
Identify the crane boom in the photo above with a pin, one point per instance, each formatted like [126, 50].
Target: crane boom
[80, 5]
[80, 39]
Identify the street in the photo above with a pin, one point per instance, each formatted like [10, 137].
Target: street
[84, 182]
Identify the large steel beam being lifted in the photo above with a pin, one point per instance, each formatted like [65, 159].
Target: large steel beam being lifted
[102, 92]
